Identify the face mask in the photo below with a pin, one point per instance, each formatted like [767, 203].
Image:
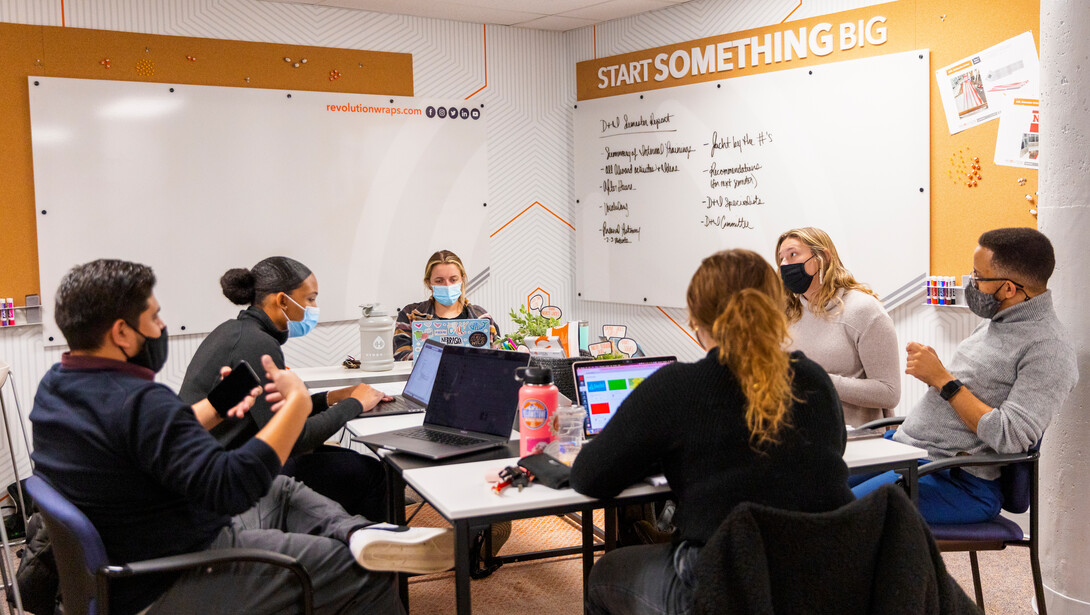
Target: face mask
[447, 295]
[153, 355]
[299, 328]
[981, 303]
[795, 278]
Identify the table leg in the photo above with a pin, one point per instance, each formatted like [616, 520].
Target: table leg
[912, 481]
[461, 566]
[395, 512]
[588, 547]
[610, 528]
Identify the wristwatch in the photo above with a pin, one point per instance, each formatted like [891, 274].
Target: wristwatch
[950, 389]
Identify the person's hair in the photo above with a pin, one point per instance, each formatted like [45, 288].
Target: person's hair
[93, 296]
[276, 274]
[832, 275]
[446, 257]
[1025, 254]
[737, 298]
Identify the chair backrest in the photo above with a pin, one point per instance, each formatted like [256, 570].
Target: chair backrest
[77, 547]
[1016, 484]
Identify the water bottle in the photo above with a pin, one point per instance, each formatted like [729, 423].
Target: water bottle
[537, 406]
[376, 339]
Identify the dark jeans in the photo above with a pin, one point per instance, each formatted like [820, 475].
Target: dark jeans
[294, 520]
[650, 579]
[356, 482]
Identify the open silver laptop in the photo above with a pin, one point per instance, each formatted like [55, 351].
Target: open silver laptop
[603, 385]
[414, 397]
[472, 406]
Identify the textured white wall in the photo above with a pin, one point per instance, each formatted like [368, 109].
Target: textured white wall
[530, 93]
[1065, 218]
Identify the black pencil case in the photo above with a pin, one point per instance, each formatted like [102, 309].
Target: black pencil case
[547, 470]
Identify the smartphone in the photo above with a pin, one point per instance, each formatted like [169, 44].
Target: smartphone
[234, 388]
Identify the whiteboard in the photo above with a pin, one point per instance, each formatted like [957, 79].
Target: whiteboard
[668, 177]
[194, 180]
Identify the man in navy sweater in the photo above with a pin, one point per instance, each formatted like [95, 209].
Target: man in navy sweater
[142, 466]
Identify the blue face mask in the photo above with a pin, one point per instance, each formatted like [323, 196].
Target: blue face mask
[299, 328]
[447, 295]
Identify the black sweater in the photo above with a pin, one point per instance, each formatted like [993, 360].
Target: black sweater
[688, 421]
[248, 337]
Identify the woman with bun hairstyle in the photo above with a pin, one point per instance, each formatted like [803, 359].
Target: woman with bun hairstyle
[749, 422]
[282, 298]
[840, 324]
[445, 279]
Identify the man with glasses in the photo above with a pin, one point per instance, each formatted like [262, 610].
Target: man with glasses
[1002, 384]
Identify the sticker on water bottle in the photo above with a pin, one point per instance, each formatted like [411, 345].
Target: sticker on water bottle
[534, 413]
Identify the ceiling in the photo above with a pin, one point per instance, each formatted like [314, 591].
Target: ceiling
[558, 15]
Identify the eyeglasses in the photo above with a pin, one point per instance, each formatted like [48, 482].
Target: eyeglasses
[974, 279]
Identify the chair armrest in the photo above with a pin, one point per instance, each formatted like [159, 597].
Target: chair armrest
[893, 420]
[965, 461]
[186, 561]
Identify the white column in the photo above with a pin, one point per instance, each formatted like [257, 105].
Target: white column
[1064, 216]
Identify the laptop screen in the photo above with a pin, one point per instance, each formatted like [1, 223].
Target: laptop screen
[603, 385]
[475, 390]
[418, 387]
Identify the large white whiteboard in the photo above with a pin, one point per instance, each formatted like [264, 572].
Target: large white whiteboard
[194, 180]
[841, 146]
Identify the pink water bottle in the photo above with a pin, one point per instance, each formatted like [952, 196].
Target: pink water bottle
[537, 405]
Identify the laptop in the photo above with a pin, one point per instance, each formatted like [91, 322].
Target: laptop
[414, 397]
[455, 332]
[602, 385]
[472, 406]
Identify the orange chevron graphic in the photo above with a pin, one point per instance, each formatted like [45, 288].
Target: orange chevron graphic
[792, 12]
[485, 33]
[528, 209]
[683, 329]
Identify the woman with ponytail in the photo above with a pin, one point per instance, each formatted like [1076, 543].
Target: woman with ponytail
[749, 422]
[841, 324]
[281, 295]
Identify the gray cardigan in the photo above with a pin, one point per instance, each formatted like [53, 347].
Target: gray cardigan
[1021, 364]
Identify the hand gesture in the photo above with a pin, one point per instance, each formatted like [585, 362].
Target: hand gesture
[923, 364]
[240, 409]
[282, 385]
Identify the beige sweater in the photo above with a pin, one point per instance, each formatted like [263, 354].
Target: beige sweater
[858, 347]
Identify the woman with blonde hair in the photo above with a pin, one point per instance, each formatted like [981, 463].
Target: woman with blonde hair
[749, 422]
[840, 324]
[445, 278]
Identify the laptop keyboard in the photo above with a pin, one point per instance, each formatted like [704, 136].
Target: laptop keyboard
[442, 437]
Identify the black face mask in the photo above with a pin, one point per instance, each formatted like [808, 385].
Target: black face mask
[795, 278]
[153, 355]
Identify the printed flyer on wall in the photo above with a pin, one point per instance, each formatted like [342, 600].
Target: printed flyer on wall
[973, 89]
[1017, 143]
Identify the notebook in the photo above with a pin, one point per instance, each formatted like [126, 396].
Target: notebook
[471, 408]
[602, 385]
[414, 397]
[455, 332]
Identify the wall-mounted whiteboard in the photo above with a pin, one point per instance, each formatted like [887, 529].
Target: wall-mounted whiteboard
[194, 180]
[667, 177]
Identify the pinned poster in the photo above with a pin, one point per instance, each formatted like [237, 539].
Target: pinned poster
[1017, 143]
[973, 89]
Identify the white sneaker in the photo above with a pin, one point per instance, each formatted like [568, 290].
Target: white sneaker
[421, 550]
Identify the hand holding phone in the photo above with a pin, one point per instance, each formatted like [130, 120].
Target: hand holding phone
[233, 388]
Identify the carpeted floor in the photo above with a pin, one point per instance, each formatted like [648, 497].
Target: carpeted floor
[555, 586]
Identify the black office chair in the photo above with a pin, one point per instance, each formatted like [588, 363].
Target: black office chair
[85, 572]
[873, 555]
[1018, 484]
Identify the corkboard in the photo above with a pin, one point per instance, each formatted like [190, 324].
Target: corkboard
[80, 53]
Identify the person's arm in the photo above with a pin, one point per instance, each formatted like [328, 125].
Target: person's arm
[289, 412]
[627, 450]
[403, 339]
[878, 353]
[924, 365]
